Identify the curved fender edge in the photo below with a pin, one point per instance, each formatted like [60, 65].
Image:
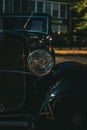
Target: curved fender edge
[63, 81]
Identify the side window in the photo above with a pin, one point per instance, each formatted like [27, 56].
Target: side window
[36, 25]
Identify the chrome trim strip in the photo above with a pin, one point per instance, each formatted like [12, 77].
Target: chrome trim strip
[13, 123]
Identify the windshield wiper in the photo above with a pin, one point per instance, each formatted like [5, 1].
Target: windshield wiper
[28, 20]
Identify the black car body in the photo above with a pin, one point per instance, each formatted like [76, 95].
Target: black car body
[31, 84]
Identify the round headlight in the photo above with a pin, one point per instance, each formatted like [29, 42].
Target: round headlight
[40, 62]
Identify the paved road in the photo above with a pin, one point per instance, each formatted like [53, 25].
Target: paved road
[82, 59]
[73, 51]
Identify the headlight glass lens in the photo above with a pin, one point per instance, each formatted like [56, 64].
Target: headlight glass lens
[40, 62]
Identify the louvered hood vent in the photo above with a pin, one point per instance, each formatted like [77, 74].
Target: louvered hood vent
[12, 84]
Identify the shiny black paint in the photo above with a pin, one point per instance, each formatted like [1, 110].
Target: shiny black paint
[25, 42]
[66, 83]
[69, 94]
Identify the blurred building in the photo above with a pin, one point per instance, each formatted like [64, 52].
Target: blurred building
[58, 9]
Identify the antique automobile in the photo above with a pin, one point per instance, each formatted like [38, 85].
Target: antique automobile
[35, 92]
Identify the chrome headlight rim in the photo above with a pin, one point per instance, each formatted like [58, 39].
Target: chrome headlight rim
[36, 57]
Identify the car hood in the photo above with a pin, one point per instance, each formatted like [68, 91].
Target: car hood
[12, 83]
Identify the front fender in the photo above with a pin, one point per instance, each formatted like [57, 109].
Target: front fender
[69, 78]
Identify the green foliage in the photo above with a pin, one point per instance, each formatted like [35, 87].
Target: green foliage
[81, 25]
[80, 6]
[80, 11]
[85, 16]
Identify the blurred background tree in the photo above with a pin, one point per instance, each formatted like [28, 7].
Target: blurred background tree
[80, 15]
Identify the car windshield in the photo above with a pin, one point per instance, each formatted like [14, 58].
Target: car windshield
[22, 23]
